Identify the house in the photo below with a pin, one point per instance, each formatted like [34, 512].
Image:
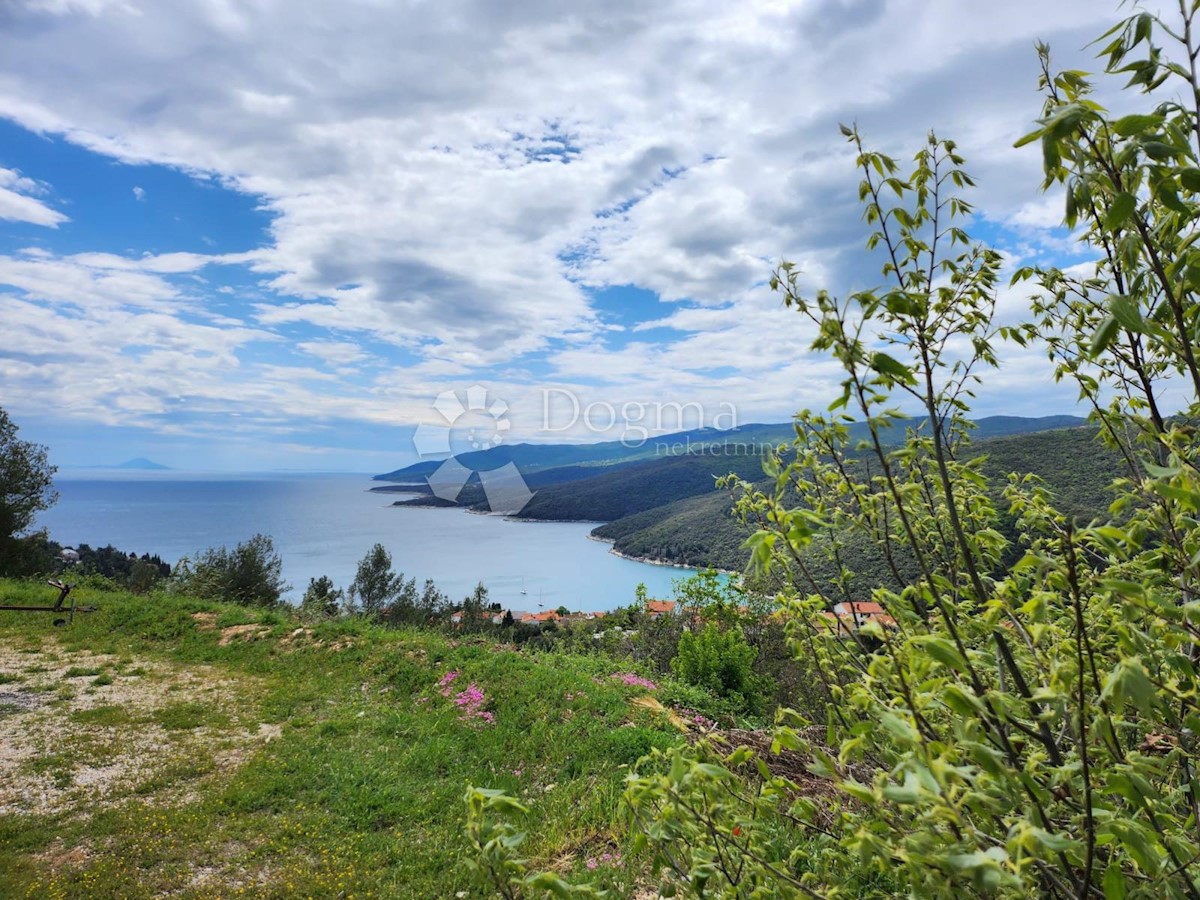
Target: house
[850, 616]
[541, 618]
[484, 615]
[656, 609]
[862, 612]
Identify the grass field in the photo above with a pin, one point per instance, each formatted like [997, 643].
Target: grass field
[164, 746]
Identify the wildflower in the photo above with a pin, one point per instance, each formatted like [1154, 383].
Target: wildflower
[634, 680]
[471, 697]
[470, 701]
[446, 681]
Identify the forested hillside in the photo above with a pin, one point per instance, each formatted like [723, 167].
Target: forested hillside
[669, 509]
[700, 530]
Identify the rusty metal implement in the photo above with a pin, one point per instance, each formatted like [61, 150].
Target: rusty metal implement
[64, 591]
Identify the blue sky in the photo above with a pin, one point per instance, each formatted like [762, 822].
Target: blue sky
[255, 236]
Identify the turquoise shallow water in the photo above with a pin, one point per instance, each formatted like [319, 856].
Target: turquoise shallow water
[323, 524]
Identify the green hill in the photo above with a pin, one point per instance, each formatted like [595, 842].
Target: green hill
[699, 530]
[667, 508]
[745, 439]
[164, 746]
[637, 487]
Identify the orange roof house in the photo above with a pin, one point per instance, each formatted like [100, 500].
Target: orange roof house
[851, 616]
[547, 616]
[657, 608]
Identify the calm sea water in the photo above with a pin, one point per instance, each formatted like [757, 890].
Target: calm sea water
[324, 524]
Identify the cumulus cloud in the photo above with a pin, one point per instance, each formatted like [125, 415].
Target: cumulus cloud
[459, 177]
[18, 202]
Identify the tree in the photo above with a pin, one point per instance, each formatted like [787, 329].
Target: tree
[375, 585]
[250, 574]
[474, 609]
[321, 599]
[26, 488]
[1005, 731]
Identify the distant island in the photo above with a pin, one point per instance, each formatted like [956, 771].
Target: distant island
[140, 462]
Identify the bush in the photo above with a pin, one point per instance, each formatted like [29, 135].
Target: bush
[321, 600]
[720, 661]
[249, 575]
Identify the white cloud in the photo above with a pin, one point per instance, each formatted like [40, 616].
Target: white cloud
[459, 174]
[139, 193]
[17, 204]
[336, 353]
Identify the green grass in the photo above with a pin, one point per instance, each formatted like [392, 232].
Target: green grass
[359, 791]
[82, 672]
[108, 716]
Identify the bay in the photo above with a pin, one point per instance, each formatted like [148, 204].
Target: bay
[324, 524]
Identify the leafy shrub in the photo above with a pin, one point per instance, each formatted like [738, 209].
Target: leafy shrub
[628, 745]
[249, 574]
[720, 661]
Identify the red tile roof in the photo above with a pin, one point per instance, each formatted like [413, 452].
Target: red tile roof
[660, 606]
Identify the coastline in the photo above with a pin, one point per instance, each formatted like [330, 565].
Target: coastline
[650, 561]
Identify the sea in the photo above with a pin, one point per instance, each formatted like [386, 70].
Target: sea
[324, 524]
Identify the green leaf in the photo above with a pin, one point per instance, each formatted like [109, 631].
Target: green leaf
[1129, 681]
[1127, 126]
[1119, 212]
[1126, 312]
[1030, 138]
[899, 728]
[944, 652]
[1055, 843]
[1190, 179]
[892, 368]
[1114, 882]
[909, 792]
[1104, 335]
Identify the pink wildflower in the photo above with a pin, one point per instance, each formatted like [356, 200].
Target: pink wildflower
[446, 681]
[634, 680]
[471, 697]
[470, 701]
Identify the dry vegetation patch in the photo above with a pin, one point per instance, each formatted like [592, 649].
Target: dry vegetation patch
[80, 731]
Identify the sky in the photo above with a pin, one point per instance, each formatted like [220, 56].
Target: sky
[269, 234]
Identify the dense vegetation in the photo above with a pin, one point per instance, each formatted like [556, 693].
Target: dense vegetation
[1003, 730]
[700, 530]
